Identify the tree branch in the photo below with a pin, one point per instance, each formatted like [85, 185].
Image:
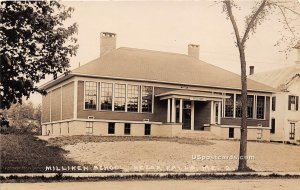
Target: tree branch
[253, 18]
[232, 19]
[285, 19]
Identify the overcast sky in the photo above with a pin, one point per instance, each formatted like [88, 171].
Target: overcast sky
[171, 26]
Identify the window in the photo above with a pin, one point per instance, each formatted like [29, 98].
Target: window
[127, 128]
[111, 128]
[250, 101]
[147, 92]
[106, 96]
[273, 126]
[231, 133]
[229, 106]
[273, 103]
[132, 98]
[147, 129]
[120, 97]
[89, 127]
[259, 134]
[68, 125]
[238, 106]
[292, 131]
[293, 103]
[260, 107]
[90, 95]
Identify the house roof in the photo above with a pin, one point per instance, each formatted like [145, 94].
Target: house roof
[164, 67]
[156, 66]
[278, 78]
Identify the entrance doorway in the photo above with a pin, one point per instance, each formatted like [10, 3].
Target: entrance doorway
[186, 115]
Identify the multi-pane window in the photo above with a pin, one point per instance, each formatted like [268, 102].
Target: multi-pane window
[106, 96]
[238, 106]
[229, 102]
[250, 102]
[132, 98]
[111, 128]
[273, 103]
[260, 107]
[293, 103]
[90, 95]
[120, 97]
[127, 128]
[147, 92]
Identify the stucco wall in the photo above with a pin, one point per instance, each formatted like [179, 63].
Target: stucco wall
[46, 108]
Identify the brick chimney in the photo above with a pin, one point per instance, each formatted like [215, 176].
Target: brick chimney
[251, 70]
[193, 50]
[107, 42]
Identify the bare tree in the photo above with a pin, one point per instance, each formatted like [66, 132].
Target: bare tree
[289, 11]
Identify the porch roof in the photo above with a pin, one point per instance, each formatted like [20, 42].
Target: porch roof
[191, 95]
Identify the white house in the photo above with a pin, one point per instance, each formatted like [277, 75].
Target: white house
[285, 111]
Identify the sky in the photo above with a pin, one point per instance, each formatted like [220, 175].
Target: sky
[170, 26]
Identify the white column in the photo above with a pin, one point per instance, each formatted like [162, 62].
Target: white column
[192, 115]
[173, 118]
[212, 116]
[219, 112]
[180, 111]
[168, 111]
[75, 99]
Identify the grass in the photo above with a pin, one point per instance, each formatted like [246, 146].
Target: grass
[71, 140]
[27, 154]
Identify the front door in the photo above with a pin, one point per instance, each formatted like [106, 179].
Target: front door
[186, 115]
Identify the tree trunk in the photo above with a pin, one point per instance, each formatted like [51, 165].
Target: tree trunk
[243, 141]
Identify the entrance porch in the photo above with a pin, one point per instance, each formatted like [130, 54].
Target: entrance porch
[194, 110]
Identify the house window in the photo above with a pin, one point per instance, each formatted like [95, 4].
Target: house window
[120, 97]
[273, 103]
[127, 128]
[89, 127]
[147, 129]
[106, 96]
[293, 103]
[250, 101]
[273, 126]
[260, 107]
[111, 128]
[132, 98]
[238, 106]
[90, 95]
[147, 96]
[229, 102]
[68, 125]
[292, 131]
[259, 134]
[231, 133]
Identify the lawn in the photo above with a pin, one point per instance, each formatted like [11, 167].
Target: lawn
[26, 153]
[152, 154]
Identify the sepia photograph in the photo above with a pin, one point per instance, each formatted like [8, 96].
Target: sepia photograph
[150, 94]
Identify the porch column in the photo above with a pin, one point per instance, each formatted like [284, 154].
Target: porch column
[180, 110]
[219, 113]
[212, 116]
[192, 115]
[173, 118]
[168, 111]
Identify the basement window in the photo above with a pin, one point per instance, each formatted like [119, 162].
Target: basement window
[111, 128]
